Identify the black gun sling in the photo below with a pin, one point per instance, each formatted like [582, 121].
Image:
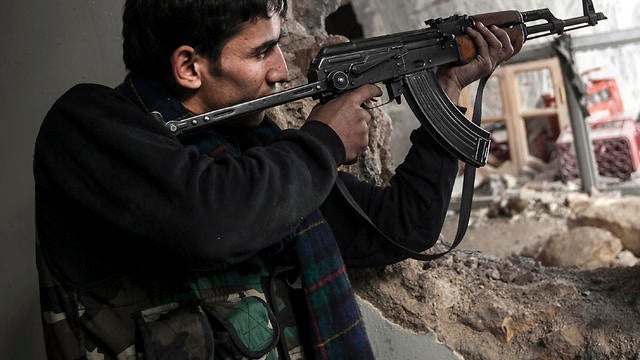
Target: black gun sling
[465, 201]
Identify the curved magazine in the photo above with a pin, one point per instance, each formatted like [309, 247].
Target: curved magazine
[444, 121]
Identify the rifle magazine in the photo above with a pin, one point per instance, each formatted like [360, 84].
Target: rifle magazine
[444, 121]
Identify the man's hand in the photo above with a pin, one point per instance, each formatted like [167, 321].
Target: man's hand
[493, 46]
[348, 119]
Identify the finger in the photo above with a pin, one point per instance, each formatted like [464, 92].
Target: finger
[365, 136]
[489, 36]
[501, 35]
[481, 44]
[363, 116]
[505, 40]
[505, 37]
[365, 92]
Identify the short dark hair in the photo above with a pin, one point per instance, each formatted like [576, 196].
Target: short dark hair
[153, 29]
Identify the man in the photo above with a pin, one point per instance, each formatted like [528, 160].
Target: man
[229, 242]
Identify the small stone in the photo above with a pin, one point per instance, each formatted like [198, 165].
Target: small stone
[495, 274]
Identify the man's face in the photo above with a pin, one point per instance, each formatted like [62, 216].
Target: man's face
[250, 66]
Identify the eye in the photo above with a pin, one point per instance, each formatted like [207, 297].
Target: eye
[266, 49]
[264, 52]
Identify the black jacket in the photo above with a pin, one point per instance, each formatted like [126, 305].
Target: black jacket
[110, 177]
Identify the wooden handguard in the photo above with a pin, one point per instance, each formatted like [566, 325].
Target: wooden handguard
[510, 21]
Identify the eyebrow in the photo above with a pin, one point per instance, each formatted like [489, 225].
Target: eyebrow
[267, 44]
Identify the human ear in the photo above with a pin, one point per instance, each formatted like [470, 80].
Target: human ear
[185, 68]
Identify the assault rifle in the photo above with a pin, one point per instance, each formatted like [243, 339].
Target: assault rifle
[406, 62]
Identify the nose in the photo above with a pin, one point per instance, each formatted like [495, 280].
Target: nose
[278, 71]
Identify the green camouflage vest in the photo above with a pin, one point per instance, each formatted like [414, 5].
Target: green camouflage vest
[225, 314]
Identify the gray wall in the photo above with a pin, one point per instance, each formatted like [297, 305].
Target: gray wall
[47, 46]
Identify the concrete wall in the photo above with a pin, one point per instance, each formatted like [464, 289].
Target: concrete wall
[47, 46]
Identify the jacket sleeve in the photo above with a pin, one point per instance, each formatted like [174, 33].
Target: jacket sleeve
[411, 210]
[106, 170]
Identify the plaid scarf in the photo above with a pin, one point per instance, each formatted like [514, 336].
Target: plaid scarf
[335, 323]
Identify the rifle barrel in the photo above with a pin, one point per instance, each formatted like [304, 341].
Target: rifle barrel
[555, 25]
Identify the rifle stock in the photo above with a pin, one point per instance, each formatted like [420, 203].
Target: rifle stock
[405, 62]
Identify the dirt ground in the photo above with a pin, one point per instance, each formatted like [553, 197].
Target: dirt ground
[487, 301]
[503, 236]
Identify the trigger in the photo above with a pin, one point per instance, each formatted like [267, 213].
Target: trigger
[394, 90]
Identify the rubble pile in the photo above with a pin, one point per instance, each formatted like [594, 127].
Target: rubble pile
[619, 215]
[564, 286]
[587, 247]
[485, 307]
[598, 230]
